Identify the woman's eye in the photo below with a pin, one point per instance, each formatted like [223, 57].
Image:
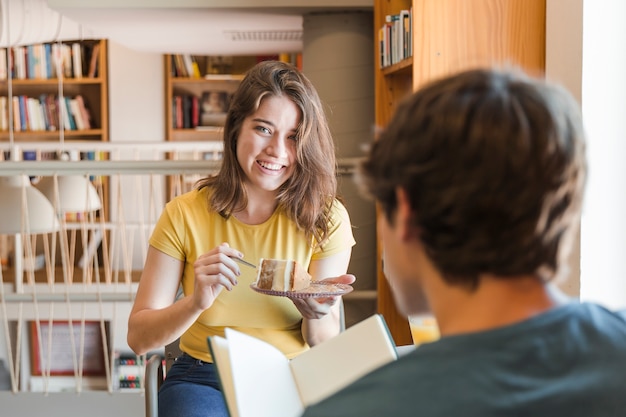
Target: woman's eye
[263, 129]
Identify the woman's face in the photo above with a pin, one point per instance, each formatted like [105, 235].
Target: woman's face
[266, 147]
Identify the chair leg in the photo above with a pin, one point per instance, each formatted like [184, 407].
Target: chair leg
[153, 379]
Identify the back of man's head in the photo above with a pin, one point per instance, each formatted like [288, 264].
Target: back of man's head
[493, 163]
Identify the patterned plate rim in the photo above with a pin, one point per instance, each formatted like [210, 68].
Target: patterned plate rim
[329, 290]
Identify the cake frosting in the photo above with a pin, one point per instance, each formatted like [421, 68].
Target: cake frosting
[281, 275]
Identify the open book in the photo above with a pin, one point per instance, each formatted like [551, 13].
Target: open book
[259, 381]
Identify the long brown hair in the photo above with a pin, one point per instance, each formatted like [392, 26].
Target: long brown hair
[309, 193]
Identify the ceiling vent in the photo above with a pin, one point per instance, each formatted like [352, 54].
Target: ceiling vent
[264, 35]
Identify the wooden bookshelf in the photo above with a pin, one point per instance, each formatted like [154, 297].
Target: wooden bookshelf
[93, 88]
[83, 75]
[448, 36]
[213, 74]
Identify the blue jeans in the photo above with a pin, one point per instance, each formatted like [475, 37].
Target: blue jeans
[191, 389]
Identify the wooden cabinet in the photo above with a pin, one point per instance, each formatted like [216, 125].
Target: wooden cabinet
[188, 92]
[92, 87]
[448, 36]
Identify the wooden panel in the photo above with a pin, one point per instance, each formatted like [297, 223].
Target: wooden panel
[451, 35]
[448, 36]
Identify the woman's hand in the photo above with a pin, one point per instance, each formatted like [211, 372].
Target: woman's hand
[316, 308]
[214, 271]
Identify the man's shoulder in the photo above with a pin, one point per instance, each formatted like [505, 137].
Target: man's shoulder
[389, 390]
[601, 315]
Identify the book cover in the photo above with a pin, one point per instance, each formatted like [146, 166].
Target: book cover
[259, 381]
[213, 107]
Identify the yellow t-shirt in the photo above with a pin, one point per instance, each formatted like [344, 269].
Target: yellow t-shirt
[187, 229]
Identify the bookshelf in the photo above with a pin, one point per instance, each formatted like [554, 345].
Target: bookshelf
[447, 36]
[191, 83]
[38, 82]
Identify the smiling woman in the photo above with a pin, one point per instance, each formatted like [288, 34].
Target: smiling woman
[274, 197]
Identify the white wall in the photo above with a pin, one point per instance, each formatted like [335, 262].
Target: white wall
[585, 51]
[603, 248]
[136, 114]
[136, 95]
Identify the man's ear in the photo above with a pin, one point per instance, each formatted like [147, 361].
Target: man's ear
[404, 216]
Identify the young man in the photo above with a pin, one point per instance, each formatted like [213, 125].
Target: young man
[479, 180]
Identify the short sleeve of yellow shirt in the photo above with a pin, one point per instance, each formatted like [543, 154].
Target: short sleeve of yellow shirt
[187, 229]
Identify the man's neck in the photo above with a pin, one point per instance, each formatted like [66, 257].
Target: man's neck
[495, 303]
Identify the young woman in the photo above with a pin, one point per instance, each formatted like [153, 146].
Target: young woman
[274, 197]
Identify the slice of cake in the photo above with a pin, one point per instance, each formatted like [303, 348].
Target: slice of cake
[281, 275]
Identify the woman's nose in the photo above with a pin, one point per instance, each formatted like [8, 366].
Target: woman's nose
[277, 145]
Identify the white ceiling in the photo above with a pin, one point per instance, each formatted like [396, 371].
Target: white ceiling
[197, 31]
[217, 27]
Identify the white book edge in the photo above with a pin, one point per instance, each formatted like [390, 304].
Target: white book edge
[259, 381]
[359, 350]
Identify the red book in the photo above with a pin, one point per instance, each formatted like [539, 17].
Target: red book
[195, 111]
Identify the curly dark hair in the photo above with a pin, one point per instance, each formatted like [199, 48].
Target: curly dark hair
[493, 162]
[309, 193]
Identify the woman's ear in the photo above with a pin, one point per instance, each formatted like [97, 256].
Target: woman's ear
[404, 216]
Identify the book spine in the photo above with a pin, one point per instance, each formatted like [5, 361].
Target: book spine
[77, 60]
[84, 112]
[4, 68]
[49, 62]
[17, 124]
[4, 114]
[76, 114]
[66, 55]
[23, 113]
[93, 61]
[129, 372]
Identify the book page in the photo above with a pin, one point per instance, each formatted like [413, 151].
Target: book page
[218, 347]
[263, 382]
[334, 364]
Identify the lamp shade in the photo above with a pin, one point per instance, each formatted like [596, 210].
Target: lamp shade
[76, 193]
[39, 214]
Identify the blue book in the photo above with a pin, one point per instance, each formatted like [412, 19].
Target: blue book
[23, 113]
[48, 54]
[68, 113]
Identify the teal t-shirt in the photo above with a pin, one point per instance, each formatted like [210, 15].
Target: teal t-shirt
[570, 361]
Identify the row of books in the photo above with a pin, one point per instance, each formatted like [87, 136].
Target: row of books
[49, 60]
[42, 114]
[395, 38]
[185, 65]
[129, 370]
[190, 111]
[185, 111]
[199, 66]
